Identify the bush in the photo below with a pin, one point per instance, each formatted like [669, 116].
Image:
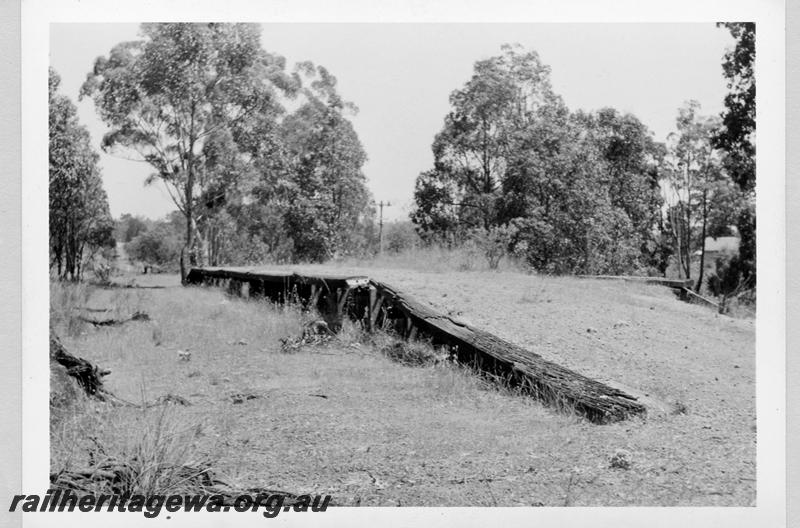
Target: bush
[605, 244]
[732, 280]
[399, 237]
[494, 242]
[103, 264]
[467, 255]
[729, 276]
[158, 246]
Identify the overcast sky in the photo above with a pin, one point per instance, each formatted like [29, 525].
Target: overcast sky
[400, 77]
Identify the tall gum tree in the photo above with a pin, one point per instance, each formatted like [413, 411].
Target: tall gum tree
[737, 136]
[289, 187]
[79, 214]
[580, 188]
[471, 151]
[324, 158]
[698, 189]
[166, 96]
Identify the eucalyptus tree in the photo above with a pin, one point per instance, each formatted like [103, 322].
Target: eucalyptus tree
[629, 163]
[699, 190]
[326, 186]
[170, 97]
[78, 207]
[580, 189]
[505, 96]
[736, 138]
[128, 227]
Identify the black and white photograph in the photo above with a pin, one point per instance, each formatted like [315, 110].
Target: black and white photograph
[295, 266]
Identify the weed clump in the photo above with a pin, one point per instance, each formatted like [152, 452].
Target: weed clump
[412, 353]
[679, 408]
[620, 460]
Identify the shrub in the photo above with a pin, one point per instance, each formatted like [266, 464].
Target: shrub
[103, 264]
[159, 246]
[494, 242]
[399, 237]
[731, 280]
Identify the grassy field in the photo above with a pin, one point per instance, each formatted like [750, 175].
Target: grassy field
[343, 418]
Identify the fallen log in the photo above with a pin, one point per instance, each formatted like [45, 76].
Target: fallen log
[136, 316]
[694, 295]
[88, 376]
[116, 285]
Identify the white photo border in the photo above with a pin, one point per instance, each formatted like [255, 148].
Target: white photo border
[37, 15]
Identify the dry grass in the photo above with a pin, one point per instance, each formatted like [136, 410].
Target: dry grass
[438, 259]
[345, 419]
[154, 441]
[156, 445]
[435, 259]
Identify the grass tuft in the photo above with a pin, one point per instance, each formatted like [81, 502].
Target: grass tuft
[620, 460]
[678, 407]
[148, 450]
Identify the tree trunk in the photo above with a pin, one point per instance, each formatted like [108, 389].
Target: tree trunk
[188, 193]
[203, 255]
[186, 251]
[58, 252]
[687, 243]
[183, 266]
[703, 242]
[676, 220]
[70, 269]
[688, 232]
[212, 237]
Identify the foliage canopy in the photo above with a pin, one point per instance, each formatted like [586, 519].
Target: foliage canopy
[581, 190]
[205, 106]
[80, 221]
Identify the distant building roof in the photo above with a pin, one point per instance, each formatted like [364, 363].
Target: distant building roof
[727, 244]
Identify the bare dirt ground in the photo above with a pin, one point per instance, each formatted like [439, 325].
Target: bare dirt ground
[345, 420]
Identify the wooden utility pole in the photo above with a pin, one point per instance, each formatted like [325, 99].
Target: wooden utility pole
[381, 205]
